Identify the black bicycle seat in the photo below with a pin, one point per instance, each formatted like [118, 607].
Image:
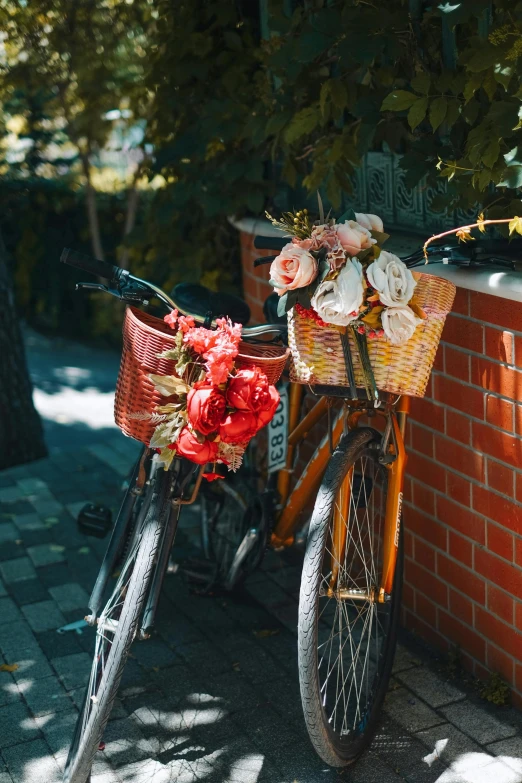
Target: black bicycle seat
[270, 310]
[198, 300]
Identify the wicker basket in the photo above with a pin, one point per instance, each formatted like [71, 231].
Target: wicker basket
[144, 337]
[317, 355]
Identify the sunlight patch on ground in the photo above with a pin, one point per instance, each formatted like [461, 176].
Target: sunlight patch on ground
[483, 768]
[70, 406]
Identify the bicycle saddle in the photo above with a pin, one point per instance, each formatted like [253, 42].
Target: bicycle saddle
[198, 300]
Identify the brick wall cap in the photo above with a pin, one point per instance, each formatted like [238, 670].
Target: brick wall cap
[505, 285]
[256, 225]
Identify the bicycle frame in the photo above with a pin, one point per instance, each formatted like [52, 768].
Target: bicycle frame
[393, 457]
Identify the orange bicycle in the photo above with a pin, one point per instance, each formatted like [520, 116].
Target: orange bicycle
[352, 572]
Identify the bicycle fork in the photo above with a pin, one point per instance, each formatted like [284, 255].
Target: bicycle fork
[393, 457]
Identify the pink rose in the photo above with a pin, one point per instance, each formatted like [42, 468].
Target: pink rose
[324, 236]
[293, 268]
[369, 221]
[353, 237]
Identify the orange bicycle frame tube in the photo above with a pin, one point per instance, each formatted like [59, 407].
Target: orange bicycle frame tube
[309, 481]
[392, 524]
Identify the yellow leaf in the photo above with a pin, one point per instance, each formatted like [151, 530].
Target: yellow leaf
[169, 384]
[266, 632]
[417, 309]
[481, 223]
[515, 225]
[464, 234]
[373, 318]
[9, 667]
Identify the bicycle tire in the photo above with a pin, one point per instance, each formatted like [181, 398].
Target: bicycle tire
[228, 512]
[340, 742]
[140, 560]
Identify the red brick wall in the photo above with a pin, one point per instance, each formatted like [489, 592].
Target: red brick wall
[463, 513]
[463, 493]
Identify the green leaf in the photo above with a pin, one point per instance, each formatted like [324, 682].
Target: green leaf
[438, 111]
[302, 124]
[398, 100]
[491, 153]
[484, 56]
[473, 83]
[453, 113]
[512, 175]
[333, 91]
[421, 83]
[489, 85]
[292, 297]
[417, 112]
[349, 214]
[277, 122]
[470, 111]
[484, 178]
[503, 74]
[338, 93]
[333, 191]
[281, 305]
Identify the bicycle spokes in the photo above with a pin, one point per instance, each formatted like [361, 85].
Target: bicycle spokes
[351, 621]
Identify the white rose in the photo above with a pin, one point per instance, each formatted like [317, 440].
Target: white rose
[392, 280]
[370, 221]
[338, 301]
[399, 323]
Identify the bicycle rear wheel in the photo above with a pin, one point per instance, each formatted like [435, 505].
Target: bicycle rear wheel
[116, 629]
[234, 524]
[346, 638]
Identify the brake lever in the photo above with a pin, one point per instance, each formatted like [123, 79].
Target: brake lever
[94, 286]
[127, 295]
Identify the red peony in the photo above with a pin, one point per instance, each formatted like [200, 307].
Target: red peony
[205, 407]
[248, 390]
[188, 446]
[238, 427]
[266, 415]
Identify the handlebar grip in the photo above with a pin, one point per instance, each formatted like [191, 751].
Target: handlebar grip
[92, 265]
[269, 243]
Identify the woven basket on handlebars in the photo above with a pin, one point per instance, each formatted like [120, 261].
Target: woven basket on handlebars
[144, 337]
[317, 356]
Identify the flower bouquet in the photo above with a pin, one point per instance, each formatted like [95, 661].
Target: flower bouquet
[212, 407]
[357, 315]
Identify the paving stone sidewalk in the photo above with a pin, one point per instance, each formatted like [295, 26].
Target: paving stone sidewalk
[213, 696]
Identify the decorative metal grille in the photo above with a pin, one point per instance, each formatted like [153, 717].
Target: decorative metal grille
[379, 187]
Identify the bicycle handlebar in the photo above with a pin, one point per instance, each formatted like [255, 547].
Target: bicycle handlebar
[482, 251]
[91, 265]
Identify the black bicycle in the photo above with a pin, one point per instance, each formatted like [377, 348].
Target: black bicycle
[126, 594]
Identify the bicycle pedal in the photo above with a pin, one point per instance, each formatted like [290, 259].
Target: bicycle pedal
[94, 520]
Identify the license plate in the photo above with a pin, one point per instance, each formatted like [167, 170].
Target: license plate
[278, 433]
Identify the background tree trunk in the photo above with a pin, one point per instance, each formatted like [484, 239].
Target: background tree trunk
[21, 432]
[92, 210]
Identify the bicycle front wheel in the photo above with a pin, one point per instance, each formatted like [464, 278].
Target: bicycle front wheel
[346, 638]
[116, 629]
